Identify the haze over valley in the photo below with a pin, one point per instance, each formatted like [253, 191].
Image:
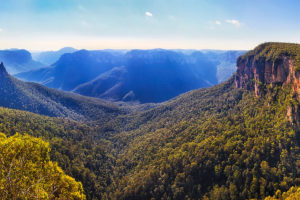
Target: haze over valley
[149, 100]
[135, 75]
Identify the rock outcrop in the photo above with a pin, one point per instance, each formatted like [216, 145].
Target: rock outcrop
[253, 72]
[269, 65]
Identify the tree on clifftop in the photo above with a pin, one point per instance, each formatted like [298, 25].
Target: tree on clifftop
[26, 171]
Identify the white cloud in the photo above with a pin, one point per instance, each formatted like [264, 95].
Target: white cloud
[218, 22]
[234, 22]
[148, 14]
[1, 30]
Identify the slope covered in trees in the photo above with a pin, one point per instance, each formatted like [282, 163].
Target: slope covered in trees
[231, 145]
[82, 151]
[219, 143]
[42, 100]
[223, 142]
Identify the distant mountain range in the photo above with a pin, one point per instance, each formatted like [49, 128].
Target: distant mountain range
[19, 60]
[152, 76]
[50, 57]
[73, 69]
[137, 75]
[39, 99]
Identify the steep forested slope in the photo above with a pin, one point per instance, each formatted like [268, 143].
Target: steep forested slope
[232, 145]
[39, 99]
[236, 140]
[82, 151]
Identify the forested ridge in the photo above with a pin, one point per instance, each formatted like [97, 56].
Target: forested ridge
[217, 143]
[238, 147]
[39, 99]
[79, 149]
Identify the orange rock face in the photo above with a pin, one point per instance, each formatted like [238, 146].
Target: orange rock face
[252, 73]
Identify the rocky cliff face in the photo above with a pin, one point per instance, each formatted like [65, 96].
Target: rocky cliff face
[253, 72]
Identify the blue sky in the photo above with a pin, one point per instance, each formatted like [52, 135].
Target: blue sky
[128, 24]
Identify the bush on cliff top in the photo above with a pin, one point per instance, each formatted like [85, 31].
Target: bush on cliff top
[26, 171]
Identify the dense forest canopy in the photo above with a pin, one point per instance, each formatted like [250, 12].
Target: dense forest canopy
[236, 147]
[217, 143]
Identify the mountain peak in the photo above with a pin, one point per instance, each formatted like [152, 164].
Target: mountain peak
[2, 69]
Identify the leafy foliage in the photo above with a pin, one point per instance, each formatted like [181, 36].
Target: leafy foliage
[292, 194]
[26, 171]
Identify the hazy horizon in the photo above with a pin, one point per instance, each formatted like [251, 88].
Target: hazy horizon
[121, 49]
[141, 24]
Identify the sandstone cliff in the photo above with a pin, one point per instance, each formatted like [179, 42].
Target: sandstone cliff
[256, 69]
[268, 65]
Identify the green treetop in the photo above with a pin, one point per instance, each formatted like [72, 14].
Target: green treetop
[26, 171]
